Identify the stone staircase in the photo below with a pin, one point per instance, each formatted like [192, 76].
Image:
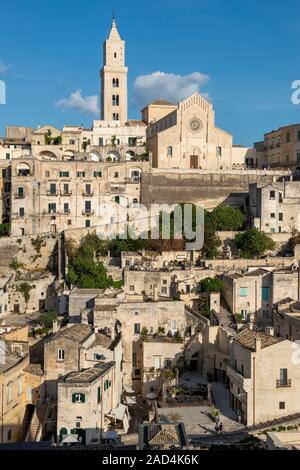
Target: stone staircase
[34, 429]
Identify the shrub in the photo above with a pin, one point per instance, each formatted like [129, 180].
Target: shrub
[254, 243]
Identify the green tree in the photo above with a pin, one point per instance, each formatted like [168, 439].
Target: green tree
[254, 243]
[210, 284]
[47, 319]
[4, 230]
[226, 218]
[211, 240]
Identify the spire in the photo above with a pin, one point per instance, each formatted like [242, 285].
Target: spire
[114, 34]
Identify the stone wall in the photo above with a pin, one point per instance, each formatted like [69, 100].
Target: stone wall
[201, 186]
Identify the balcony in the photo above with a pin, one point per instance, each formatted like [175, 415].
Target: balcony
[87, 193]
[66, 212]
[117, 189]
[19, 196]
[86, 213]
[52, 193]
[283, 383]
[66, 193]
[241, 381]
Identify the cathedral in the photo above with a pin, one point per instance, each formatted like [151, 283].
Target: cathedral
[179, 136]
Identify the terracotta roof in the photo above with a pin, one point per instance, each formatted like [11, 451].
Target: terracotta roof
[135, 122]
[77, 333]
[247, 338]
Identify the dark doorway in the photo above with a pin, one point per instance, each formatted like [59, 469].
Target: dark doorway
[194, 162]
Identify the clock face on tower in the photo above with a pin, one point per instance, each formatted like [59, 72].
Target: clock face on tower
[195, 125]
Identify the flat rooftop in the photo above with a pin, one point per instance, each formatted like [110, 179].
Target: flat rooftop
[87, 376]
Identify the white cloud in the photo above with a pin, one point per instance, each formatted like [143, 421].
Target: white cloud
[86, 105]
[4, 68]
[167, 86]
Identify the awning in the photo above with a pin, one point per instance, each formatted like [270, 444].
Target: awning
[118, 413]
[128, 389]
[130, 400]
[71, 439]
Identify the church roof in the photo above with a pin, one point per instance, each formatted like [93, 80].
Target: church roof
[161, 102]
[114, 33]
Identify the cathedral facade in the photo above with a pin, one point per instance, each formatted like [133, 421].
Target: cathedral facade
[186, 137]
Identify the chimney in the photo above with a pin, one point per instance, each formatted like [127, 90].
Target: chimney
[257, 344]
[55, 326]
[270, 330]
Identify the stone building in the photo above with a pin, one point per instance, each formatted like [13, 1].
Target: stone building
[62, 195]
[280, 148]
[79, 347]
[14, 360]
[286, 319]
[274, 208]
[85, 399]
[113, 315]
[185, 136]
[252, 294]
[264, 381]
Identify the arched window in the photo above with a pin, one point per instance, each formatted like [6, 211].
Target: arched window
[219, 151]
[170, 151]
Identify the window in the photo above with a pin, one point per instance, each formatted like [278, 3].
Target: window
[7, 187]
[115, 55]
[107, 384]
[80, 174]
[219, 152]
[66, 189]
[157, 362]
[72, 142]
[66, 208]
[265, 294]
[164, 291]
[97, 174]
[88, 189]
[272, 194]
[116, 175]
[131, 288]
[173, 325]
[52, 208]
[283, 377]
[21, 212]
[53, 188]
[280, 216]
[100, 142]
[272, 215]
[137, 372]
[9, 392]
[282, 405]
[137, 329]
[170, 151]
[7, 156]
[20, 386]
[99, 395]
[64, 174]
[134, 359]
[243, 291]
[288, 137]
[116, 117]
[87, 223]
[61, 355]
[115, 83]
[88, 207]
[168, 363]
[115, 100]
[47, 174]
[78, 398]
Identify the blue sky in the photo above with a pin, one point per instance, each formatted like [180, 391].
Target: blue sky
[245, 54]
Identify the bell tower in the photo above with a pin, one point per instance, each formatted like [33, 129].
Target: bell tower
[114, 78]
